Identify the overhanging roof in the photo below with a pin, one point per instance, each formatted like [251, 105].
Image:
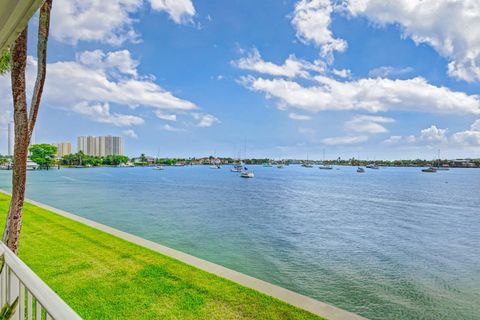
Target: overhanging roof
[14, 16]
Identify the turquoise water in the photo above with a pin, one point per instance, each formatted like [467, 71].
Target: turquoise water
[388, 244]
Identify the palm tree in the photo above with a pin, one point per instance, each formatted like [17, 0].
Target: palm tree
[24, 120]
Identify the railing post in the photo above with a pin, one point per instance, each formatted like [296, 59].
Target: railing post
[13, 293]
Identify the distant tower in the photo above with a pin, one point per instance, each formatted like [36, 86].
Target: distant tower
[10, 139]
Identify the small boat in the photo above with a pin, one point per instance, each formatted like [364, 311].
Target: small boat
[159, 168]
[280, 166]
[307, 165]
[373, 166]
[246, 174]
[237, 168]
[31, 165]
[215, 166]
[360, 170]
[429, 169]
[325, 167]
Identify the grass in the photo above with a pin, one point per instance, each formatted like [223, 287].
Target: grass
[103, 277]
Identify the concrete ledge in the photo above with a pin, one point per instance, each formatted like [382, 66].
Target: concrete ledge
[314, 306]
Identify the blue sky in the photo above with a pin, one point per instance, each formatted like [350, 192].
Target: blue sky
[194, 78]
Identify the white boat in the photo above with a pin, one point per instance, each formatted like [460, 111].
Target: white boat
[246, 173]
[324, 166]
[372, 166]
[31, 165]
[360, 170]
[429, 170]
[159, 168]
[307, 164]
[215, 166]
[237, 168]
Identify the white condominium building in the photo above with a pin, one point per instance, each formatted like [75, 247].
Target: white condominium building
[63, 148]
[100, 146]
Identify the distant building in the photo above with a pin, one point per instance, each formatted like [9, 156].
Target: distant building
[462, 163]
[63, 148]
[100, 146]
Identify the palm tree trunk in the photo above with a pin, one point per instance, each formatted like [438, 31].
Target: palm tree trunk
[11, 234]
[24, 120]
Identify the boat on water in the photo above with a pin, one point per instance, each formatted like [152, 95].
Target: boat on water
[246, 173]
[215, 166]
[373, 166]
[126, 165]
[237, 168]
[443, 167]
[360, 170]
[159, 168]
[31, 165]
[324, 166]
[280, 166]
[429, 169]
[307, 165]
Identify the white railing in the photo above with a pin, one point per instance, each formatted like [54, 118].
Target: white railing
[35, 300]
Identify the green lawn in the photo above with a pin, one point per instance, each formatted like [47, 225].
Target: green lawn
[104, 277]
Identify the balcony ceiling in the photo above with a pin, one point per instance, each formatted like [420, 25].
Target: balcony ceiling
[14, 16]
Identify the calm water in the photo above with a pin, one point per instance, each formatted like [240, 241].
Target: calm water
[388, 244]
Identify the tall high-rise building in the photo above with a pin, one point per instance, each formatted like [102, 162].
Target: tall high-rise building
[63, 148]
[100, 146]
[10, 139]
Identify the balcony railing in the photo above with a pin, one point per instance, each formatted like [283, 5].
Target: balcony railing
[28, 297]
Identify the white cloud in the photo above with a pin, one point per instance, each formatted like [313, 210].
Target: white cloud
[168, 127]
[344, 140]
[371, 95]
[395, 140]
[101, 113]
[311, 19]
[386, 72]
[292, 67]
[96, 84]
[475, 126]
[117, 62]
[344, 73]
[99, 81]
[434, 134]
[94, 20]
[130, 133]
[180, 11]
[299, 117]
[204, 120]
[368, 124]
[109, 21]
[165, 116]
[451, 27]
[467, 138]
